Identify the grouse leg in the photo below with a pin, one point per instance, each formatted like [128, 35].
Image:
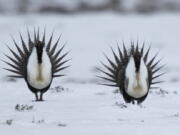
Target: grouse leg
[36, 95]
[41, 96]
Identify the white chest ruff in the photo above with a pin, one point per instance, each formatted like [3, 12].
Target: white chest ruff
[137, 82]
[39, 76]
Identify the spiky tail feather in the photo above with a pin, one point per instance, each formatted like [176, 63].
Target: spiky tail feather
[113, 75]
[18, 61]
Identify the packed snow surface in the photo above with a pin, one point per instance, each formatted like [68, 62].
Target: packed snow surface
[75, 104]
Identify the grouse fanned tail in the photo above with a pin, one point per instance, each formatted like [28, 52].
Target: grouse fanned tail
[132, 71]
[36, 61]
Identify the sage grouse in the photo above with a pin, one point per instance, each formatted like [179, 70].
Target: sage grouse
[37, 62]
[131, 72]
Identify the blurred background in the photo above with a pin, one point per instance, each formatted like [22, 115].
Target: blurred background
[78, 6]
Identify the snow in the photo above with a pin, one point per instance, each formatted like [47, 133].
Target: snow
[83, 107]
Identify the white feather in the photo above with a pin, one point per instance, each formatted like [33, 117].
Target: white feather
[33, 70]
[137, 82]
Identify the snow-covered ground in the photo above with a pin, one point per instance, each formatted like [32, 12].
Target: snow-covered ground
[75, 104]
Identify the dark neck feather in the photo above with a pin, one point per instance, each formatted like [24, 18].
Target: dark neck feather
[137, 61]
[39, 48]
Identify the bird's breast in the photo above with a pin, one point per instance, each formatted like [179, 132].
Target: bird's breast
[137, 87]
[39, 76]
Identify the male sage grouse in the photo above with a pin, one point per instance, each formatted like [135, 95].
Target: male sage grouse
[132, 73]
[37, 62]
